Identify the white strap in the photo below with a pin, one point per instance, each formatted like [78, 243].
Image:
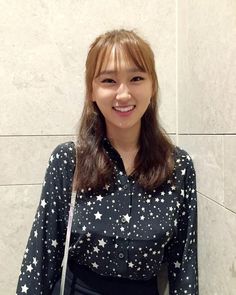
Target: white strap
[67, 244]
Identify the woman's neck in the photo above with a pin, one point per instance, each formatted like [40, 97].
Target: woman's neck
[124, 140]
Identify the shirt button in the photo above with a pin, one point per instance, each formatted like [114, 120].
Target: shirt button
[121, 255]
[123, 219]
[125, 186]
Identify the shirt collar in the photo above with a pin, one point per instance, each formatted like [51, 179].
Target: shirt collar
[112, 153]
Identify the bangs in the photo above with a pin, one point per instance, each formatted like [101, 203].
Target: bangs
[130, 52]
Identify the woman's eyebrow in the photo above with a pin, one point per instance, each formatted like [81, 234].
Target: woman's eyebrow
[130, 70]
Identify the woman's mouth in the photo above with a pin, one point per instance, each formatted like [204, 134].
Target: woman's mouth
[124, 109]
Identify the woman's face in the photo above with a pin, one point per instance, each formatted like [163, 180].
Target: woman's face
[123, 95]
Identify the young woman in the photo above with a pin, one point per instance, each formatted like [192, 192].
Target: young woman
[136, 204]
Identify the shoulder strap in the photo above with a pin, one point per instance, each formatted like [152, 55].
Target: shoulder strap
[68, 233]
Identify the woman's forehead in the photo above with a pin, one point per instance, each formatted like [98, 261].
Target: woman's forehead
[117, 58]
[117, 62]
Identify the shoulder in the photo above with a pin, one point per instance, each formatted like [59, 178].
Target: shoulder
[64, 154]
[183, 160]
[64, 149]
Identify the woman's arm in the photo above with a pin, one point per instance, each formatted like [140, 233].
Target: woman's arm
[41, 266]
[182, 251]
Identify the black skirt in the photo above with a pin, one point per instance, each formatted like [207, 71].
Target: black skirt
[80, 280]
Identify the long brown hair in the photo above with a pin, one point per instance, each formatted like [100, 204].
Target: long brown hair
[154, 161]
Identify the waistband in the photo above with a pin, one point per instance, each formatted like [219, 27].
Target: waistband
[84, 277]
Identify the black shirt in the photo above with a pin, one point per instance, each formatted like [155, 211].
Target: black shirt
[123, 231]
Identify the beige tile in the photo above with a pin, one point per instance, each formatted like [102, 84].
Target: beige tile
[230, 172]
[207, 154]
[39, 101]
[38, 95]
[217, 248]
[18, 207]
[207, 66]
[24, 159]
[43, 71]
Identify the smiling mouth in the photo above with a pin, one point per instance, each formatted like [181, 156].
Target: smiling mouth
[124, 109]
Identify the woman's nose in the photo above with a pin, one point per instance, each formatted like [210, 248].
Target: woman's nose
[123, 92]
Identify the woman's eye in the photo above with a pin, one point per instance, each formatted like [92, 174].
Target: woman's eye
[108, 81]
[138, 78]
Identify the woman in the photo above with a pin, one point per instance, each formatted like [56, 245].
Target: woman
[136, 204]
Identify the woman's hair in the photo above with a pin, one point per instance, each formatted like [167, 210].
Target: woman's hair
[154, 161]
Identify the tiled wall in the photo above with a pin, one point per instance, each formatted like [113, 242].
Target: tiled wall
[43, 46]
[207, 130]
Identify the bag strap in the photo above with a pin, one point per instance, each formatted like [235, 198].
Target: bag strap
[67, 244]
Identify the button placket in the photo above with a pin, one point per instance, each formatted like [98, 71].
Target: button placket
[123, 219]
[125, 186]
[121, 255]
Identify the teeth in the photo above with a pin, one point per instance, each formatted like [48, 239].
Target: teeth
[124, 109]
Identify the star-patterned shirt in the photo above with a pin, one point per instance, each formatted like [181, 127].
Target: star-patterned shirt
[122, 231]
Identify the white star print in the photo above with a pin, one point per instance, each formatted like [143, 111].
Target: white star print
[96, 249]
[35, 233]
[29, 267]
[182, 192]
[94, 264]
[127, 217]
[88, 235]
[122, 228]
[84, 228]
[102, 243]
[35, 261]
[177, 264]
[54, 243]
[57, 156]
[24, 289]
[183, 172]
[89, 203]
[51, 158]
[98, 215]
[43, 203]
[131, 265]
[107, 186]
[99, 198]
[142, 217]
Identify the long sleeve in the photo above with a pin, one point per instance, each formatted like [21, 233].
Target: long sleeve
[182, 250]
[41, 266]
